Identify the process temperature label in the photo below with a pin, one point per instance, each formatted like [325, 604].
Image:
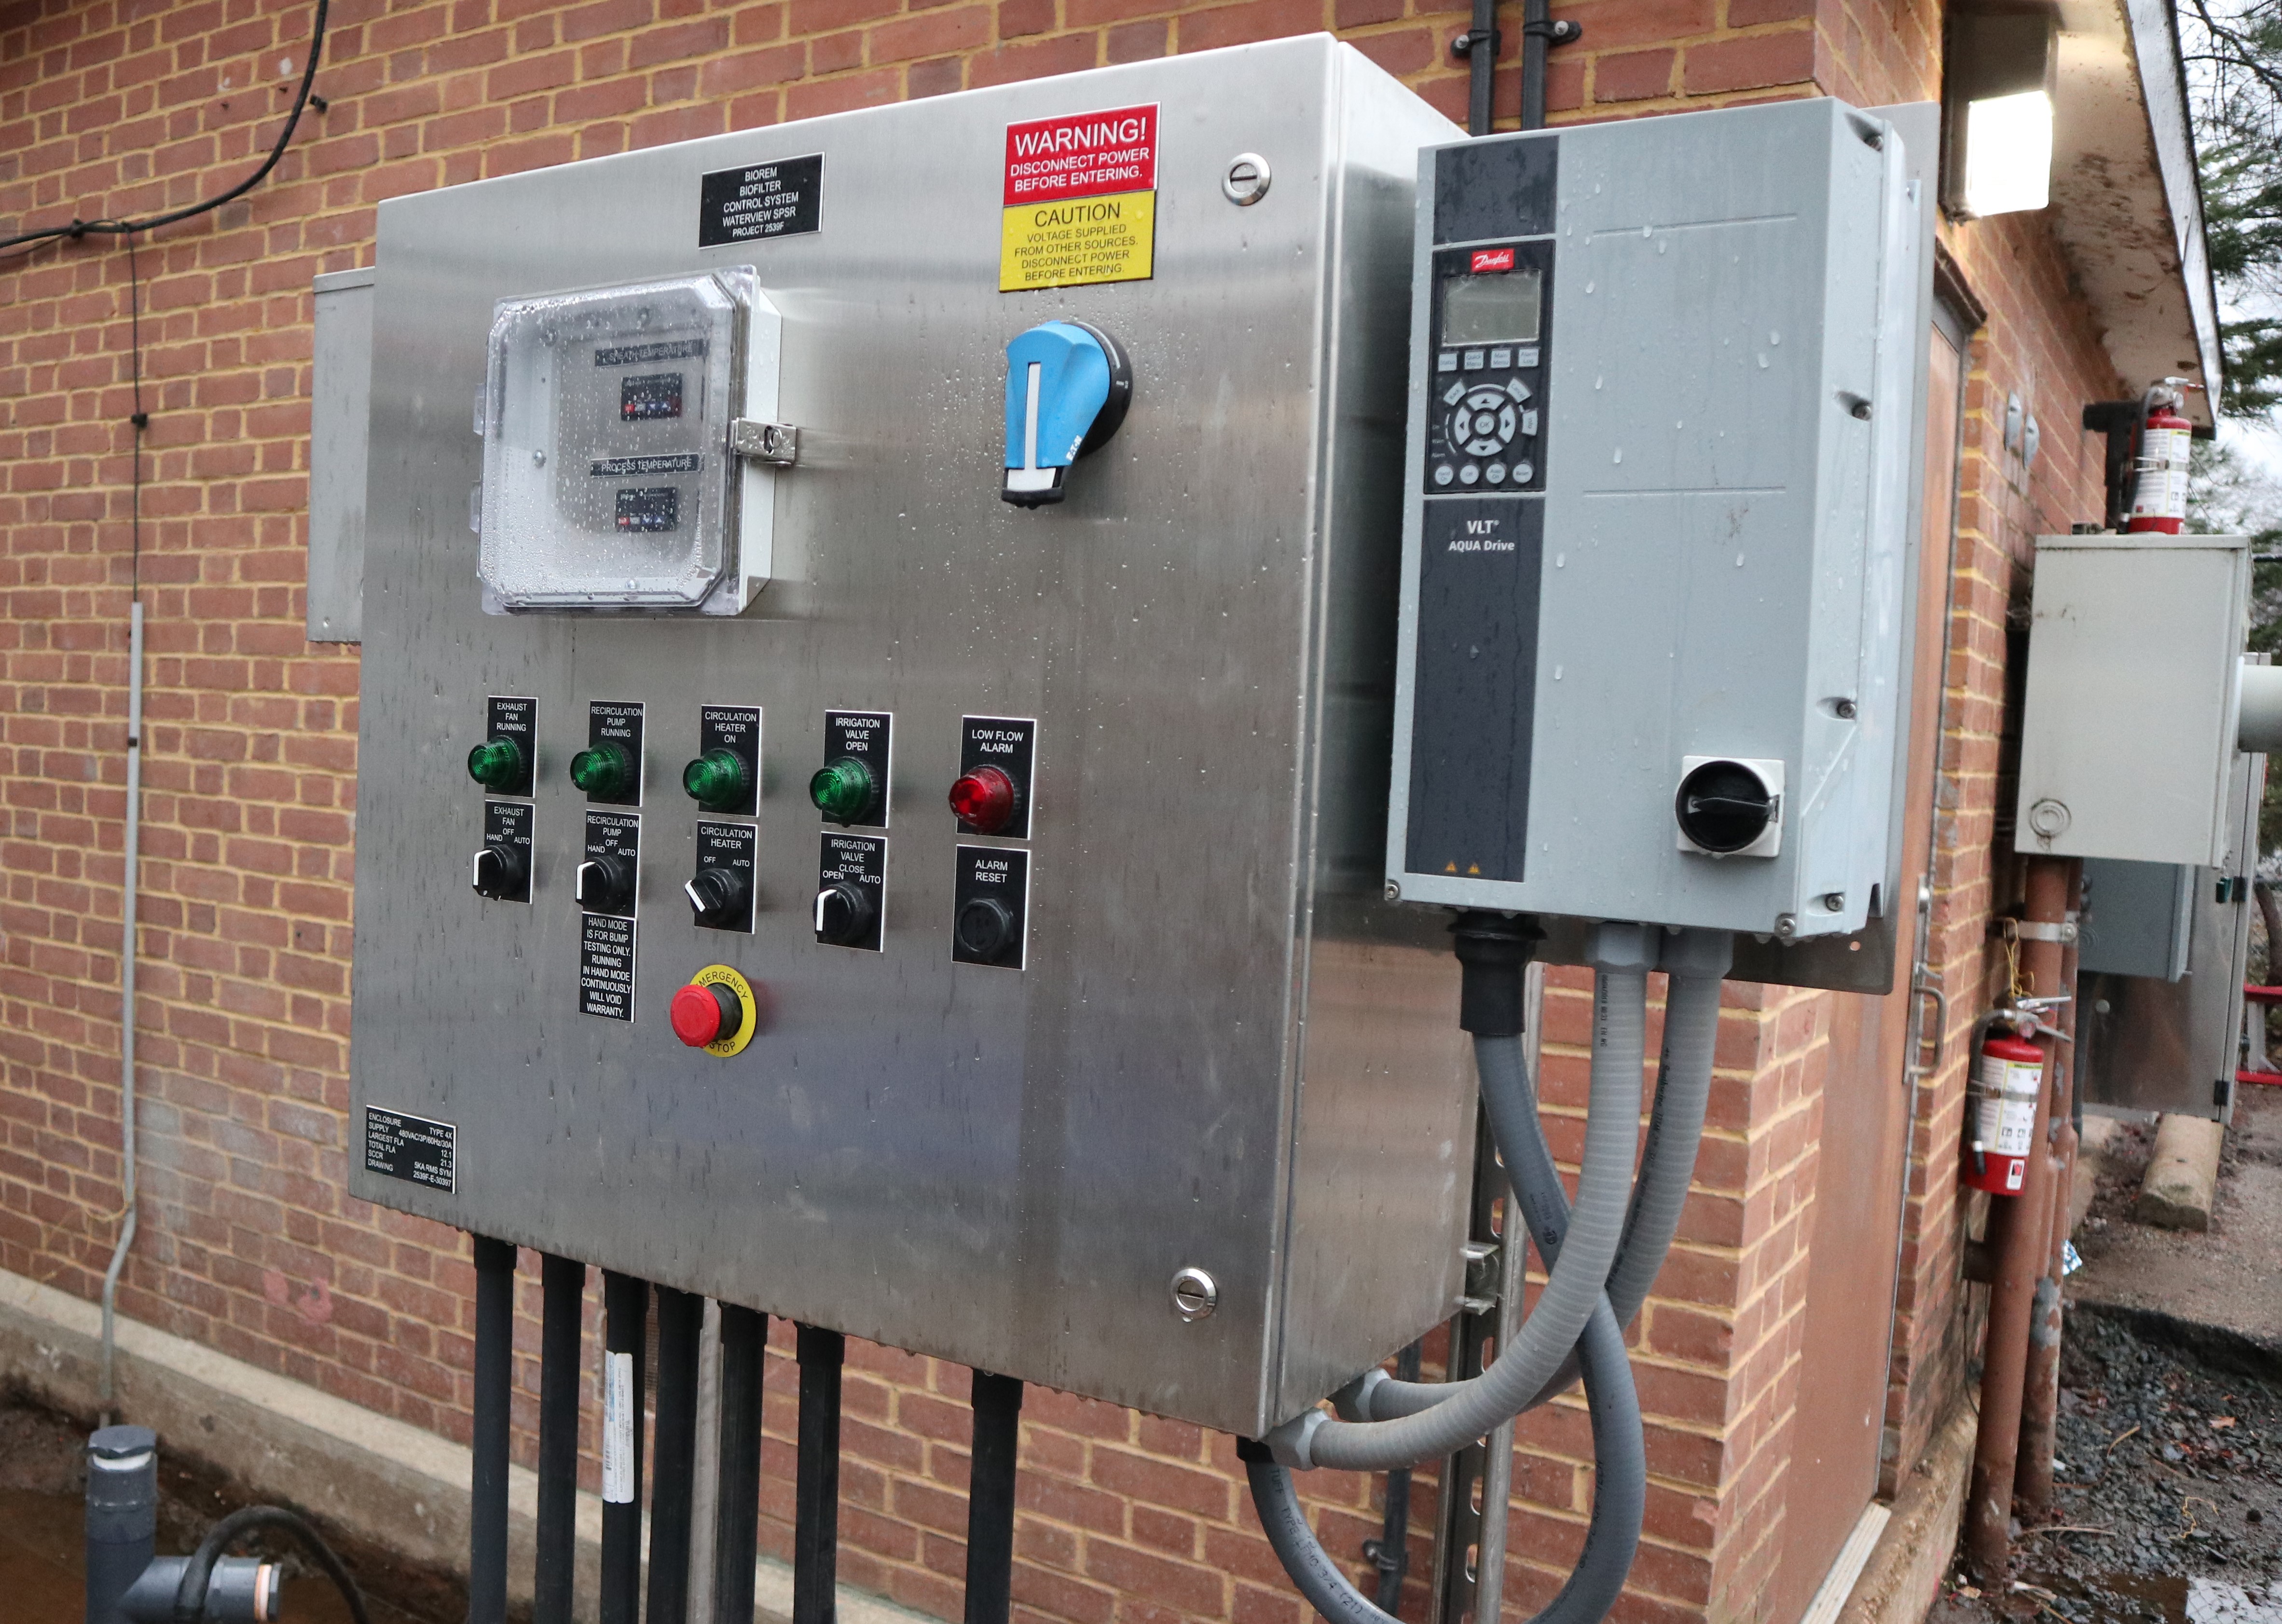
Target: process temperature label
[1080, 204]
[412, 1148]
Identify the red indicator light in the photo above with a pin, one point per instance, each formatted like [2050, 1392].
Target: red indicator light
[985, 798]
[704, 1014]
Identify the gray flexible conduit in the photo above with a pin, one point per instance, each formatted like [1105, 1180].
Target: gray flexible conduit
[1575, 1285]
[1619, 1454]
[1695, 961]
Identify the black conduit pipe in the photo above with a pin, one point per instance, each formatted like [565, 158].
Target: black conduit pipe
[737, 1518]
[997, 1404]
[680, 1316]
[562, 1283]
[1390, 1552]
[487, 1478]
[816, 1499]
[626, 1325]
[1481, 67]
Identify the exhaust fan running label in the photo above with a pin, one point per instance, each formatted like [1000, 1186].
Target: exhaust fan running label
[1081, 200]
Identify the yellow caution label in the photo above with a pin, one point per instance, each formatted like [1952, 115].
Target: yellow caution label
[1069, 241]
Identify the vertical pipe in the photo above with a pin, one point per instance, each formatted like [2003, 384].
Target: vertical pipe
[129, 885]
[737, 1508]
[2041, 1397]
[674, 1457]
[1481, 67]
[1513, 1281]
[626, 1325]
[564, 1286]
[997, 1404]
[1536, 20]
[2017, 1231]
[488, 1477]
[122, 1516]
[1390, 1553]
[816, 1498]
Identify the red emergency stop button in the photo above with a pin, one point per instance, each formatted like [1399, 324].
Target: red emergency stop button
[985, 798]
[705, 1014]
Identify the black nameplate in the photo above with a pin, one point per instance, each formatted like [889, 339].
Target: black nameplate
[412, 1148]
[761, 201]
[606, 966]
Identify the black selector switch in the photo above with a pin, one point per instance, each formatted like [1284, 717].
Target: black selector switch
[990, 900]
[725, 777]
[851, 886]
[607, 870]
[502, 763]
[721, 892]
[845, 915]
[610, 769]
[501, 868]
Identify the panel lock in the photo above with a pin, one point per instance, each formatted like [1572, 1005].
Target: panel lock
[1067, 386]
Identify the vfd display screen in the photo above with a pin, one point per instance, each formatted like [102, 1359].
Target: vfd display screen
[1495, 309]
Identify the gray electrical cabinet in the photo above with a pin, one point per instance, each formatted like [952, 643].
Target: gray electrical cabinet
[2151, 1038]
[674, 731]
[2129, 720]
[1664, 392]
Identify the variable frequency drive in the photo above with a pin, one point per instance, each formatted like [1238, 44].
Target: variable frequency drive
[1663, 400]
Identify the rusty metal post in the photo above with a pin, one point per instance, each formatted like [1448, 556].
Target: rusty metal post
[2018, 1231]
[2040, 1400]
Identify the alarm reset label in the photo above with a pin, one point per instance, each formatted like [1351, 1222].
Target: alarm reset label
[1080, 203]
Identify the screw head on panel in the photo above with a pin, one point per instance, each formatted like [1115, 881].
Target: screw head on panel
[1195, 1294]
[1786, 928]
[1394, 892]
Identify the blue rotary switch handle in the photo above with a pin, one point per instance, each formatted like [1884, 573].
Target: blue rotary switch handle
[1067, 386]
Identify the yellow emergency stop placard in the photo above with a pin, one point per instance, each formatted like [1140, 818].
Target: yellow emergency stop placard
[1080, 204]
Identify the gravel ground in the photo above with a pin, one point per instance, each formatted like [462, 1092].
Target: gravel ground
[2171, 1470]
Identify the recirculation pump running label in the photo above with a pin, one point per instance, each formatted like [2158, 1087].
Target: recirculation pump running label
[1081, 200]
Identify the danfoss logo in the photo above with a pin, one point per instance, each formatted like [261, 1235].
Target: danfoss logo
[1492, 260]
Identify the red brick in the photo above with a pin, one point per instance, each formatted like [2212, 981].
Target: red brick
[1750, 63]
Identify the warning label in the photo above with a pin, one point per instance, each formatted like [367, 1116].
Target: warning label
[1080, 200]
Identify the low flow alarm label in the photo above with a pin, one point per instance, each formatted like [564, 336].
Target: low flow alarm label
[1080, 201]
[412, 1148]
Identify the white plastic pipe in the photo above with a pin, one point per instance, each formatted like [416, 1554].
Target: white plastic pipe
[2259, 729]
[128, 887]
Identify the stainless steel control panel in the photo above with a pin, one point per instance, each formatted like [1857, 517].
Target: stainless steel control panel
[1047, 837]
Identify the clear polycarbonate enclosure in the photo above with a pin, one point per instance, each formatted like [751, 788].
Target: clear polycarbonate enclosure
[608, 483]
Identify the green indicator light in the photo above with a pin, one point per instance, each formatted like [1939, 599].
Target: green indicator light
[716, 780]
[842, 791]
[495, 763]
[603, 769]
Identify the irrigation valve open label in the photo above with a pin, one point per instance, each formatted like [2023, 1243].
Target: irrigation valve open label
[1081, 200]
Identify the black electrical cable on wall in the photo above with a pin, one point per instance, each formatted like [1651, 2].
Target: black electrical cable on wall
[79, 228]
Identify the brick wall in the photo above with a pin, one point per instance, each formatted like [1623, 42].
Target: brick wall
[115, 107]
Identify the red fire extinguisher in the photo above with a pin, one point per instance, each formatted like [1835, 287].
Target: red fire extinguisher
[2001, 1118]
[2159, 491]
